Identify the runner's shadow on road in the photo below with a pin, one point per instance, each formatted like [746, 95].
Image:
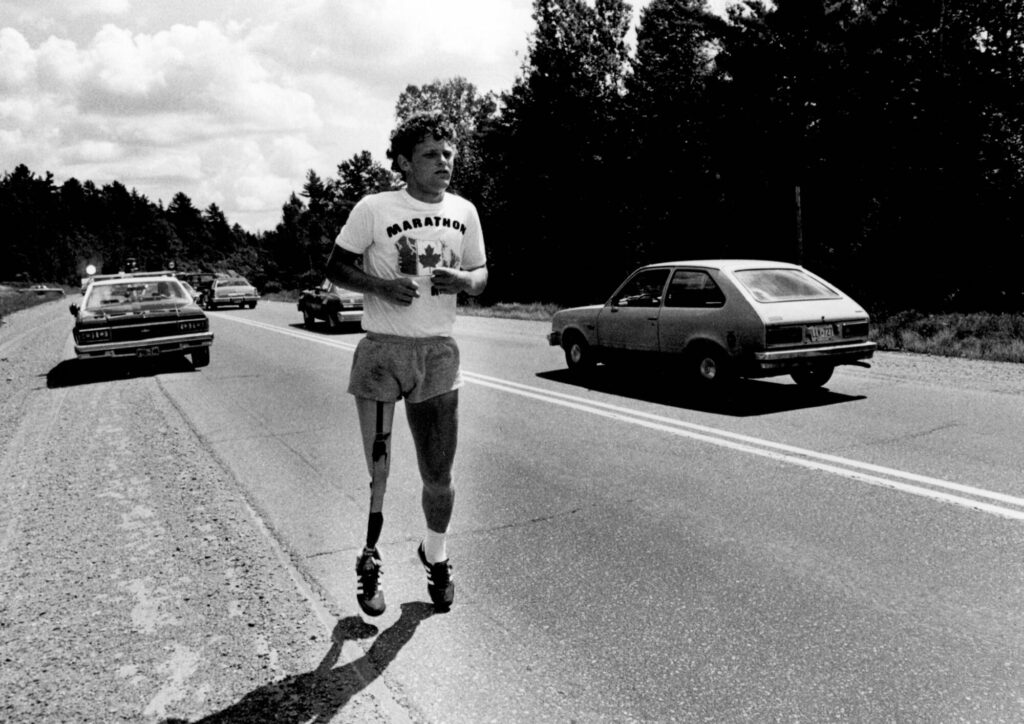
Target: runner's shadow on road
[742, 398]
[74, 372]
[318, 696]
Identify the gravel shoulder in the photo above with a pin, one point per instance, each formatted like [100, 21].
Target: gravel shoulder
[136, 583]
[947, 372]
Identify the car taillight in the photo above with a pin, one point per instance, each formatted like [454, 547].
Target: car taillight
[792, 334]
[855, 329]
[94, 335]
[193, 325]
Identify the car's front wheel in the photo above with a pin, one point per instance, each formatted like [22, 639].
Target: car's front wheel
[812, 376]
[578, 355]
[201, 357]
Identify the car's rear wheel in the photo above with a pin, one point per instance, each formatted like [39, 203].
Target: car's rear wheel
[201, 357]
[707, 368]
[308, 320]
[812, 376]
[578, 355]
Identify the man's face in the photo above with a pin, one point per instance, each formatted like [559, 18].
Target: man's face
[429, 171]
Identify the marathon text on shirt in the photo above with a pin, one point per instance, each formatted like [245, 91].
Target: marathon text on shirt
[425, 221]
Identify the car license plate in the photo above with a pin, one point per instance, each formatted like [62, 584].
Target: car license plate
[821, 332]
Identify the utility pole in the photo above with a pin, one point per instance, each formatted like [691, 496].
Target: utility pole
[799, 225]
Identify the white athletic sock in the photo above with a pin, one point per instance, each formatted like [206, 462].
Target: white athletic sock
[435, 547]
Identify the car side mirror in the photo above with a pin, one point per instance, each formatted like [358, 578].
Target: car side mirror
[74, 310]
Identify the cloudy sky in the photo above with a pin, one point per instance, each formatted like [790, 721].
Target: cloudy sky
[232, 101]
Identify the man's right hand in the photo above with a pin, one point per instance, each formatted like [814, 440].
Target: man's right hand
[401, 291]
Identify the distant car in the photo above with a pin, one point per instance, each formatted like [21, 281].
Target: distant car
[714, 320]
[234, 291]
[140, 316]
[45, 289]
[331, 303]
[200, 282]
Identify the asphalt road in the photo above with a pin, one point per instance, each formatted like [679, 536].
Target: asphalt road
[178, 545]
[625, 553]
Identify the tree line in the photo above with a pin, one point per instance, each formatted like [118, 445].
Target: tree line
[878, 142]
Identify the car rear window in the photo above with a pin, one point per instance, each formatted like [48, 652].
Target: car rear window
[131, 292]
[783, 285]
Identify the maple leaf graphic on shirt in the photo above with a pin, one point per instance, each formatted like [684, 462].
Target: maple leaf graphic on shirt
[429, 258]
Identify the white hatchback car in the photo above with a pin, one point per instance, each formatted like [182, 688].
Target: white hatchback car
[719, 319]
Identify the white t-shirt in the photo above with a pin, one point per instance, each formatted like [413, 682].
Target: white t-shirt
[400, 236]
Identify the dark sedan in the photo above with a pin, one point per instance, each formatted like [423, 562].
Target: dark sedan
[140, 316]
[331, 303]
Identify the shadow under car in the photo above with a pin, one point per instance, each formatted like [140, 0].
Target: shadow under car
[738, 398]
[73, 372]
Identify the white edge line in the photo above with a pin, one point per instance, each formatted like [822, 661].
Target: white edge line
[736, 441]
[751, 449]
[871, 467]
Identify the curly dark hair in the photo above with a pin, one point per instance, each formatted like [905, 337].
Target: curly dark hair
[414, 129]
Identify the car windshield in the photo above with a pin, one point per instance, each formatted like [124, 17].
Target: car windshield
[783, 285]
[102, 296]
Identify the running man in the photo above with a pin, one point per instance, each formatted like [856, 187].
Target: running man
[410, 252]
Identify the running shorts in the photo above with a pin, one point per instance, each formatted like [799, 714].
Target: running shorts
[387, 368]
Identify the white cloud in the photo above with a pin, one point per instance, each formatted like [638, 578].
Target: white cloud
[90, 151]
[59, 65]
[98, 7]
[231, 101]
[17, 61]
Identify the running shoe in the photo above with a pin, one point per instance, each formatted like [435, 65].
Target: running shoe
[369, 592]
[440, 585]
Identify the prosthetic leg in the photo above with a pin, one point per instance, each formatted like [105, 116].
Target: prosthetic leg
[375, 419]
[379, 464]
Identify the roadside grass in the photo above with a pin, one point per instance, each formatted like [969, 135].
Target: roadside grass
[536, 311]
[978, 335]
[12, 300]
[285, 295]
